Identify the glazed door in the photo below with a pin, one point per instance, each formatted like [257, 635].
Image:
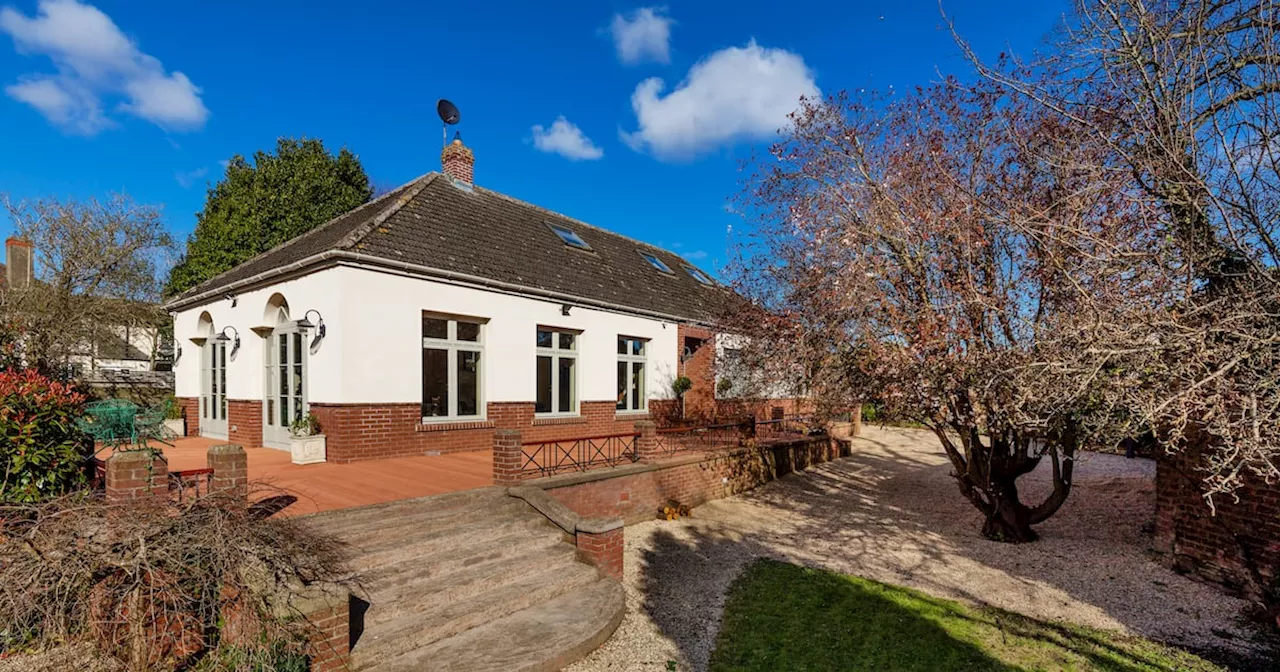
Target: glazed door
[213, 389]
[285, 377]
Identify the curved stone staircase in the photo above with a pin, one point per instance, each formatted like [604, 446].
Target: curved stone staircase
[472, 581]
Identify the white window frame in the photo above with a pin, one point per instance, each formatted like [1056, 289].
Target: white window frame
[556, 353]
[630, 359]
[452, 346]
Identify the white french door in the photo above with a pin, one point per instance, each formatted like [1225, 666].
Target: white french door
[213, 389]
[285, 377]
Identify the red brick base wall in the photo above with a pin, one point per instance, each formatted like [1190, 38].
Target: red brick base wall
[372, 431]
[191, 411]
[244, 422]
[637, 497]
[604, 550]
[1213, 546]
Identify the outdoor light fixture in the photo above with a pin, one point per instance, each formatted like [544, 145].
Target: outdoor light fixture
[564, 309]
[235, 339]
[305, 324]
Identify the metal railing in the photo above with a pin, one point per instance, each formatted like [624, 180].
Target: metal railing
[548, 458]
[789, 427]
[704, 438]
[189, 483]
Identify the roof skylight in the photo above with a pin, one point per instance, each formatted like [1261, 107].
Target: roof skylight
[698, 275]
[569, 237]
[656, 262]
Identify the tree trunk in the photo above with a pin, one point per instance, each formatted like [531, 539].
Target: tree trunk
[1008, 520]
[988, 472]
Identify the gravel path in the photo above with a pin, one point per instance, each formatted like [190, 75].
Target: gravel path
[892, 513]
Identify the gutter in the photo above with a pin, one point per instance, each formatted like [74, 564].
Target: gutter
[337, 257]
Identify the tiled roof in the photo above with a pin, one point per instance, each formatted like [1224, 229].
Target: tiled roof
[434, 223]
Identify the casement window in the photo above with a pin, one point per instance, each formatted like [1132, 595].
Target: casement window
[557, 392]
[452, 353]
[631, 374]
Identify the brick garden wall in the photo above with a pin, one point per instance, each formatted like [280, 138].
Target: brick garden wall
[639, 491]
[191, 410]
[1209, 545]
[373, 431]
[244, 422]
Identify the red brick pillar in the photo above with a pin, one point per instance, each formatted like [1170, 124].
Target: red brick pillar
[506, 457]
[647, 441]
[136, 474]
[230, 469]
[600, 542]
[330, 639]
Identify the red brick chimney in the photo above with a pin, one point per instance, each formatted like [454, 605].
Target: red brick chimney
[19, 262]
[458, 161]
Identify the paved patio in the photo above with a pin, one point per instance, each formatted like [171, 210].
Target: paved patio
[327, 486]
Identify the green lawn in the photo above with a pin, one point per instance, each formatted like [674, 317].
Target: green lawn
[784, 617]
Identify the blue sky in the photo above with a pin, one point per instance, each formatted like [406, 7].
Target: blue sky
[630, 116]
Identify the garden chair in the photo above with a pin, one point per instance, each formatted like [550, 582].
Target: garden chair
[149, 424]
[110, 422]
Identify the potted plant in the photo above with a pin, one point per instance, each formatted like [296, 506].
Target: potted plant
[175, 422]
[306, 443]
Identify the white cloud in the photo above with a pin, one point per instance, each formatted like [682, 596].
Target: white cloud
[187, 178]
[695, 255]
[567, 140]
[95, 60]
[642, 35]
[738, 93]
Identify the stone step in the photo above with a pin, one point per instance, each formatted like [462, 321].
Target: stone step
[343, 522]
[541, 638]
[407, 524]
[387, 604]
[414, 545]
[439, 565]
[385, 641]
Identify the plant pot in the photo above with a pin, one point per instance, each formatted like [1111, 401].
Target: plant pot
[307, 449]
[177, 426]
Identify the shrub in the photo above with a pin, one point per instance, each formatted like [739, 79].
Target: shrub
[159, 585]
[681, 385]
[307, 425]
[42, 453]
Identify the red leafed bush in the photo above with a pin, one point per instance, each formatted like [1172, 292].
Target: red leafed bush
[42, 453]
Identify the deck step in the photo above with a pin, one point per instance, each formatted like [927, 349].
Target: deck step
[385, 641]
[400, 548]
[436, 566]
[453, 581]
[350, 522]
[542, 638]
[392, 603]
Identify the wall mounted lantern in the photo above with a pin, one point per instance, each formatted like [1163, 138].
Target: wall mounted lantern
[235, 338]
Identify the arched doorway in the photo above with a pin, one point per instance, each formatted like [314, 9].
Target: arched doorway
[284, 374]
[213, 380]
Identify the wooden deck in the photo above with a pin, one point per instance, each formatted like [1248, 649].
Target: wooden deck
[323, 487]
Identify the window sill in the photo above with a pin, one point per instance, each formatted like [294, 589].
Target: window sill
[447, 425]
[559, 420]
[631, 415]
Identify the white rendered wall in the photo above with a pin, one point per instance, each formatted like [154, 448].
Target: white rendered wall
[373, 349]
[382, 338]
[317, 291]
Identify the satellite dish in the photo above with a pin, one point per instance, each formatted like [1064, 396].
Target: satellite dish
[448, 112]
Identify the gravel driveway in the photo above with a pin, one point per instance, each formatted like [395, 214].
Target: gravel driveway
[892, 513]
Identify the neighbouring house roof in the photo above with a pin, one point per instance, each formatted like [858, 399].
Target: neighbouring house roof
[436, 226]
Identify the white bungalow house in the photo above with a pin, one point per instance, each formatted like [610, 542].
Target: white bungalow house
[419, 322]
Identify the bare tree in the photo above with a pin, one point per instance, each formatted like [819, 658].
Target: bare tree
[1186, 95]
[966, 257]
[96, 268]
